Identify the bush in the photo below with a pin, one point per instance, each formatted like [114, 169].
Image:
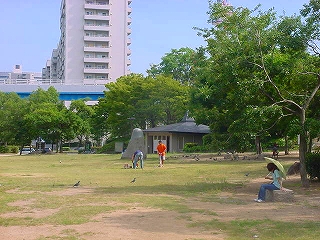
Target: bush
[65, 149]
[107, 148]
[9, 149]
[14, 149]
[194, 147]
[313, 165]
[4, 149]
[96, 149]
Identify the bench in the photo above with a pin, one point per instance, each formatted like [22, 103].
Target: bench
[286, 195]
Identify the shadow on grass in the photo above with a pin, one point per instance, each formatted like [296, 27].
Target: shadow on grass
[187, 189]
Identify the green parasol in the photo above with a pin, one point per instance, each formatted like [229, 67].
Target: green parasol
[279, 165]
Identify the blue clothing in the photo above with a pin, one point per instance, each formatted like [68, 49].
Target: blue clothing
[136, 152]
[138, 155]
[263, 188]
[276, 176]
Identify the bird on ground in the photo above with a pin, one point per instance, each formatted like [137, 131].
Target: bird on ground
[247, 174]
[60, 161]
[133, 180]
[76, 184]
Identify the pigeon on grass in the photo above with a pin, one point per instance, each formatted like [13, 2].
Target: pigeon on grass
[76, 184]
[133, 180]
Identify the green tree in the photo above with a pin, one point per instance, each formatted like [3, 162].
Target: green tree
[260, 65]
[49, 119]
[85, 114]
[180, 64]
[13, 109]
[42, 96]
[137, 101]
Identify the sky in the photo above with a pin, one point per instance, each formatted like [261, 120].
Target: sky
[29, 29]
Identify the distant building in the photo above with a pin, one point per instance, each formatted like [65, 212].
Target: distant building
[17, 76]
[93, 50]
[94, 43]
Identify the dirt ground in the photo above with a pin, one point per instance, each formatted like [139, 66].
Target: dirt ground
[147, 223]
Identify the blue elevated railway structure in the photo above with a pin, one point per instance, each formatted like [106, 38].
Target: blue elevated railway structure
[66, 92]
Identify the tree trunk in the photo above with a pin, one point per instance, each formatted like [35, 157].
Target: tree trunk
[258, 145]
[310, 144]
[57, 144]
[286, 147]
[60, 146]
[302, 151]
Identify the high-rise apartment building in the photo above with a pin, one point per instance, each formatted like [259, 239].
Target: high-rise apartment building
[93, 50]
[94, 44]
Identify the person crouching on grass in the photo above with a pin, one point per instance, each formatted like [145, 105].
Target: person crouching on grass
[276, 183]
[137, 156]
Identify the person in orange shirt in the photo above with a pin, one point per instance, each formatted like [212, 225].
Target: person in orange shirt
[161, 148]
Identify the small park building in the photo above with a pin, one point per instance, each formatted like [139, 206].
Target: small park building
[176, 135]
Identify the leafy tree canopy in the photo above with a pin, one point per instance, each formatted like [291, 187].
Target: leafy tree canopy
[261, 70]
[137, 101]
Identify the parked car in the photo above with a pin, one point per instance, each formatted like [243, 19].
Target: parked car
[27, 150]
[46, 150]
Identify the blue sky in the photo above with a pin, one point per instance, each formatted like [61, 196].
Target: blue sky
[29, 29]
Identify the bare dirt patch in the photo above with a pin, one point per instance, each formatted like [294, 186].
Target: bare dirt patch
[132, 224]
[72, 191]
[27, 211]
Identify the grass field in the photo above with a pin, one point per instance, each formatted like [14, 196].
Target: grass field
[212, 199]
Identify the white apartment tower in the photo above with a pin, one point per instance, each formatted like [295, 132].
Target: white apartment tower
[94, 42]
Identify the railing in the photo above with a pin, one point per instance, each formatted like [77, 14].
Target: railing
[97, 2]
[41, 82]
[31, 81]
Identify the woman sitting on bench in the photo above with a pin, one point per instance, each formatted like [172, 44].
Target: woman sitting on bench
[276, 183]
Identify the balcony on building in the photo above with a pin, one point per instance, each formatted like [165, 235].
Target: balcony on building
[93, 4]
[129, 9]
[96, 17]
[96, 81]
[129, 20]
[95, 71]
[96, 49]
[95, 60]
[95, 28]
[96, 39]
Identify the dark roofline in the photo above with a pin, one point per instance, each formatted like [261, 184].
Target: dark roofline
[187, 125]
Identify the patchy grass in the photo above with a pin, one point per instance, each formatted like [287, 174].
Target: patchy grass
[38, 183]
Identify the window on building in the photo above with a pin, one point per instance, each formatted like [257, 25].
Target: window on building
[102, 2]
[89, 44]
[102, 77]
[102, 66]
[89, 23]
